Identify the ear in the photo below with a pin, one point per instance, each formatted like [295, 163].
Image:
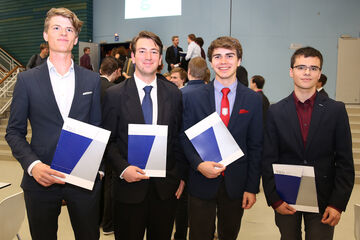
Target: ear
[76, 40]
[132, 57]
[45, 36]
[160, 60]
[239, 62]
[291, 73]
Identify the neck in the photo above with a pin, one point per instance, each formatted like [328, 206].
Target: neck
[61, 61]
[42, 55]
[226, 81]
[148, 78]
[304, 94]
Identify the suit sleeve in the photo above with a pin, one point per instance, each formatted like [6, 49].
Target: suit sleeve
[270, 156]
[344, 163]
[95, 114]
[17, 127]
[167, 56]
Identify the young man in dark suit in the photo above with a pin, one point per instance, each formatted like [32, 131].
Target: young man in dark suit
[172, 56]
[143, 203]
[215, 190]
[307, 128]
[45, 96]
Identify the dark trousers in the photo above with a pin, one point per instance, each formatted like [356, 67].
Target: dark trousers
[290, 226]
[153, 214]
[107, 216]
[181, 218]
[202, 214]
[43, 209]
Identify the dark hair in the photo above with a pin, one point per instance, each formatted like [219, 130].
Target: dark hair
[148, 35]
[192, 37]
[259, 81]
[108, 66]
[323, 79]
[306, 52]
[199, 41]
[197, 68]
[43, 46]
[86, 48]
[225, 42]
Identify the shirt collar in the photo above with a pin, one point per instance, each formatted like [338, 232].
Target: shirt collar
[103, 76]
[52, 68]
[141, 84]
[311, 100]
[218, 86]
[319, 89]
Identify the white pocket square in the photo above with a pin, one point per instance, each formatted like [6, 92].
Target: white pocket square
[86, 93]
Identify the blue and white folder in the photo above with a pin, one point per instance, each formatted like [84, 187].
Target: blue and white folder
[213, 141]
[79, 152]
[147, 148]
[295, 185]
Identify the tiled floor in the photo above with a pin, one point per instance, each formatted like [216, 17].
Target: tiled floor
[258, 222]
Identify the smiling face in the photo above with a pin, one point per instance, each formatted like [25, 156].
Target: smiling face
[225, 62]
[60, 35]
[176, 78]
[147, 58]
[305, 80]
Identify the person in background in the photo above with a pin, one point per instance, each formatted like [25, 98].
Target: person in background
[85, 60]
[320, 85]
[257, 83]
[38, 59]
[178, 77]
[172, 56]
[242, 76]
[200, 41]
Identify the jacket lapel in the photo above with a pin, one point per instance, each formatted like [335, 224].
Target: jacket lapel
[77, 91]
[45, 87]
[290, 113]
[163, 103]
[132, 103]
[237, 105]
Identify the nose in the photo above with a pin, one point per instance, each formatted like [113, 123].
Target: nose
[148, 55]
[307, 70]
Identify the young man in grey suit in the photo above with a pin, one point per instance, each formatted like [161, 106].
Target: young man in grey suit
[143, 203]
[307, 128]
[45, 96]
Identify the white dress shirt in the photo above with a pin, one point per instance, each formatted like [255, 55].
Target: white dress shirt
[193, 51]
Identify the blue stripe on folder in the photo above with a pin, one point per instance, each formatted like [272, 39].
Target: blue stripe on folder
[139, 148]
[210, 150]
[69, 151]
[287, 187]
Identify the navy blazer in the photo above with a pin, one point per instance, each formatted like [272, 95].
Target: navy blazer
[34, 100]
[245, 126]
[328, 148]
[121, 107]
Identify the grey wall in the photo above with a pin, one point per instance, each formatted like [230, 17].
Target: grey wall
[266, 28]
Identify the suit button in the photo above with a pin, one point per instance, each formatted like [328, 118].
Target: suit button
[305, 161]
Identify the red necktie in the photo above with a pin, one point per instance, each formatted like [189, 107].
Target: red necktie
[225, 108]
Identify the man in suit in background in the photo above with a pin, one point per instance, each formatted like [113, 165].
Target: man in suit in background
[142, 202]
[212, 193]
[320, 85]
[172, 56]
[257, 83]
[45, 96]
[307, 128]
[110, 70]
[85, 60]
[197, 71]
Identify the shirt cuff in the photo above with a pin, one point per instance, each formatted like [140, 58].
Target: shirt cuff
[31, 166]
[277, 204]
[122, 173]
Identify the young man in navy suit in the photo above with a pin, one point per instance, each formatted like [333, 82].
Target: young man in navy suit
[143, 203]
[308, 128]
[45, 96]
[213, 188]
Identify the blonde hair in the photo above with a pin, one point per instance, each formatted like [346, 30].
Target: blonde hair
[66, 13]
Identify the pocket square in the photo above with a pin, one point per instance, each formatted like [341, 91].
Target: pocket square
[243, 111]
[86, 93]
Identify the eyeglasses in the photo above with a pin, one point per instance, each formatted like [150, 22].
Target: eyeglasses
[303, 68]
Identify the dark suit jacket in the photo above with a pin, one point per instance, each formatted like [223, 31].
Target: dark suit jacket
[170, 56]
[245, 126]
[322, 91]
[191, 85]
[121, 107]
[242, 75]
[265, 105]
[34, 100]
[328, 149]
[105, 84]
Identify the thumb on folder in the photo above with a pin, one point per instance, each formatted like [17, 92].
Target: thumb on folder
[134, 174]
[210, 169]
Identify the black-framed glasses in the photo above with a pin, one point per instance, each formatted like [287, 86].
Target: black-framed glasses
[303, 68]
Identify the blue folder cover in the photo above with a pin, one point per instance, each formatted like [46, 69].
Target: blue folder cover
[139, 147]
[69, 150]
[207, 146]
[287, 187]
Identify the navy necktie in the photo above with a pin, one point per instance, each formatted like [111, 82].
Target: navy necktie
[147, 105]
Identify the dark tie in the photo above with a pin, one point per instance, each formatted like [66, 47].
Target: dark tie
[225, 108]
[147, 105]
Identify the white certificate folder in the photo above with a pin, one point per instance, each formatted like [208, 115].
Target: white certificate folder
[295, 184]
[147, 148]
[213, 141]
[79, 152]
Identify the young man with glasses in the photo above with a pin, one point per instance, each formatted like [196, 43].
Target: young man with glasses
[309, 129]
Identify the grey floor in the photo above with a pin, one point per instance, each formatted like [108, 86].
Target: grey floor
[257, 224]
